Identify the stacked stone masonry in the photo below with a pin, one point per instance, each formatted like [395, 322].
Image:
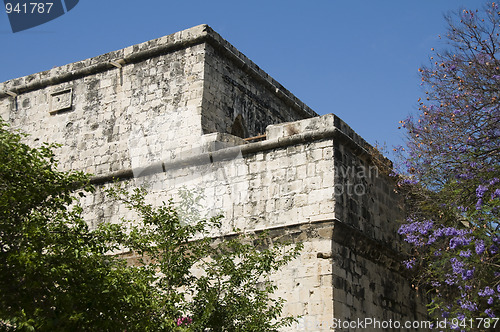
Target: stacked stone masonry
[172, 113]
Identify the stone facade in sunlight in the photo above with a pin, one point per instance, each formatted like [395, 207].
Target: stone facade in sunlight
[190, 111]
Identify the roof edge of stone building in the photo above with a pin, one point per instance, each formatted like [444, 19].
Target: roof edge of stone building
[104, 62]
[254, 70]
[140, 52]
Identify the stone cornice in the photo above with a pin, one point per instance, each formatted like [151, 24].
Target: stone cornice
[154, 48]
[233, 152]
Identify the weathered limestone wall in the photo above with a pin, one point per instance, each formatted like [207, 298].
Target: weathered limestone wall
[148, 102]
[270, 183]
[117, 118]
[292, 184]
[369, 281]
[281, 186]
[161, 114]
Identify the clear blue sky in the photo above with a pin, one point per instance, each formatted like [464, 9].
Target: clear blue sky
[357, 59]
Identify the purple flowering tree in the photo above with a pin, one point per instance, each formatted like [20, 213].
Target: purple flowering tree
[450, 172]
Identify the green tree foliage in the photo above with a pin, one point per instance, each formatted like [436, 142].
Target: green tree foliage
[54, 271]
[233, 292]
[57, 274]
[451, 172]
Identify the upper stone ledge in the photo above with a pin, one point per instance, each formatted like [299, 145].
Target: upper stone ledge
[317, 124]
[102, 62]
[136, 53]
[325, 126]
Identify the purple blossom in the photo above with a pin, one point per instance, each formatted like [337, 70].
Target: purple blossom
[495, 194]
[438, 232]
[450, 231]
[466, 176]
[409, 181]
[457, 155]
[435, 283]
[480, 247]
[414, 229]
[414, 239]
[431, 240]
[479, 204]
[468, 274]
[459, 241]
[426, 226]
[450, 280]
[409, 263]
[487, 291]
[490, 313]
[456, 265]
[480, 190]
[465, 253]
[468, 305]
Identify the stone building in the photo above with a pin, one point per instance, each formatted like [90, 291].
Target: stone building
[189, 110]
